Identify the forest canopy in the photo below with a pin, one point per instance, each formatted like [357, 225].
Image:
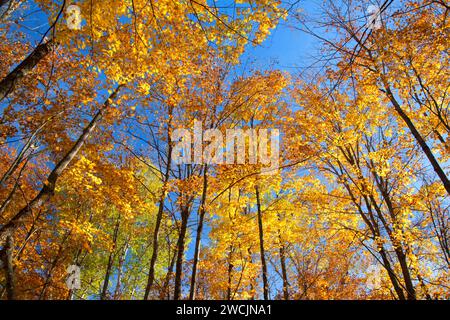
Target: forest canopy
[152, 149]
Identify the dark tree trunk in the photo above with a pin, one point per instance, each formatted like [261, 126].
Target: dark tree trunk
[165, 292]
[9, 268]
[401, 257]
[180, 253]
[284, 273]
[420, 140]
[252, 284]
[410, 290]
[230, 272]
[8, 84]
[151, 273]
[199, 235]
[261, 246]
[104, 292]
[49, 186]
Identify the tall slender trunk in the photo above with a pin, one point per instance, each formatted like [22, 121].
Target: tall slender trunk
[199, 234]
[151, 273]
[416, 134]
[180, 252]
[410, 290]
[15, 164]
[104, 292]
[420, 140]
[230, 272]
[372, 223]
[282, 250]
[391, 273]
[7, 85]
[49, 186]
[441, 231]
[165, 292]
[252, 285]
[401, 257]
[117, 291]
[8, 264]
[284, 272]
[27, 146]
[261, 246]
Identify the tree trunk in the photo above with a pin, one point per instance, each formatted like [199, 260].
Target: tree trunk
[180, 253]
[49, 186]
[104, 293]
[284, 273]
[8, 263]
[117, 291]
[391, 274]
[230, 272]
[8, 84]
[151, 273]
[261, 246]
[410, 290]
[420, 140]
[27, 146]
[199, 235]
[165, 292]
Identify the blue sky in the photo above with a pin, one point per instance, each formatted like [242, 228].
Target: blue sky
[287, 47]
